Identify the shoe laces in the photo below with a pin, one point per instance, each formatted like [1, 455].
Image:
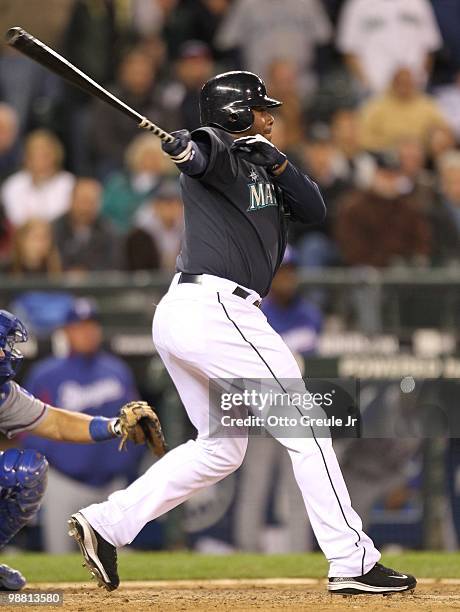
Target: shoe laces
[386, 570]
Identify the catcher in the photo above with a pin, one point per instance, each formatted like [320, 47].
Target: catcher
[23, 473]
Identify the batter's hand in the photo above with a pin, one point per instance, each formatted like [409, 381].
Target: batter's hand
[180, 149]
[258, 151]
[139, 423]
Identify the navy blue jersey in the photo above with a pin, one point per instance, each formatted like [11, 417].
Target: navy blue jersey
[236, 214]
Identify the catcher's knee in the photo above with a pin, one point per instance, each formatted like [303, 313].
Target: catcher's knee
[23, 477]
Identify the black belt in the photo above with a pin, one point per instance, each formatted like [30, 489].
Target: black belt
[185, 277]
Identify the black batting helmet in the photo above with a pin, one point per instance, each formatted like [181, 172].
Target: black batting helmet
[226, 100]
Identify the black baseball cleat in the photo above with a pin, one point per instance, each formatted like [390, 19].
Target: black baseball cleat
[380, 580]
[100, 557]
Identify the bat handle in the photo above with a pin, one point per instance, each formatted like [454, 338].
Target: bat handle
[145, 124]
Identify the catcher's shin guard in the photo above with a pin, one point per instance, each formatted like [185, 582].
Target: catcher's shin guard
[11, 579]
[23, 477]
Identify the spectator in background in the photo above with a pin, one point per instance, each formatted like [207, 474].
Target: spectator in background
[298, 321]
[155, 239]
[411, 159]
[110, 132]
[34, 252]
[9, 144]
[333, 8]
[446, 213]
[41, 189]
[151, 16]
[284, 81]
[145, 167]
[204, 21]
[267, 30]
[6, 241]
[92, 40]
[190, 20]
[193, 67]
[49, 29]
[88, 380]
[154, 18]
[401, 112]
[448, 100]
[440, 140]
[448, 17]
[378, 470]
[358, 165]
[86, 241]
[383, 225]
[379, 38]
[27, 87]
[322, 161]
[181, 20]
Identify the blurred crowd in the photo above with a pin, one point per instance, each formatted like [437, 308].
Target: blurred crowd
[371, 93]
[371, 111]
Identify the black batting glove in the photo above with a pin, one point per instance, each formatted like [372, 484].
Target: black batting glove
[180, 149]
[258, 151]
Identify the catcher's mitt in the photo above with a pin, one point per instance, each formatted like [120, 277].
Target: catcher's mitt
[139, 423]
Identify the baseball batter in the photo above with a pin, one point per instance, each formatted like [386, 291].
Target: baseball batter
[23, 473]
[238, 191]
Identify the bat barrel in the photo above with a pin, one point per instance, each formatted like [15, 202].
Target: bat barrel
[34, 49]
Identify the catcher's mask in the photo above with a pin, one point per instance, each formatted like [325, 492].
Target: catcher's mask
[12, 331]
[227, 100]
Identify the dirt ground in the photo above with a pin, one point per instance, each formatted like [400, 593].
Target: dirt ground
[247, 595]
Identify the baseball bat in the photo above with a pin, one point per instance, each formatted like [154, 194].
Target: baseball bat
[39, 52]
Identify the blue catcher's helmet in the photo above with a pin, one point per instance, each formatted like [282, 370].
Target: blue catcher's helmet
[11, 332]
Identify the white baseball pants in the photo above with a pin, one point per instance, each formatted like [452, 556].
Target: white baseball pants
[202, 332]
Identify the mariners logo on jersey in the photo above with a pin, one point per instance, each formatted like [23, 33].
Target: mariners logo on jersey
[261, 193]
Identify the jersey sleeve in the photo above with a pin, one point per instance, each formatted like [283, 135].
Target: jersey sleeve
[222, 166]
[20, 411]
[301, 196]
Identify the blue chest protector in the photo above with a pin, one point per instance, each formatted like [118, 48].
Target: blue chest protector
[23, 476]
